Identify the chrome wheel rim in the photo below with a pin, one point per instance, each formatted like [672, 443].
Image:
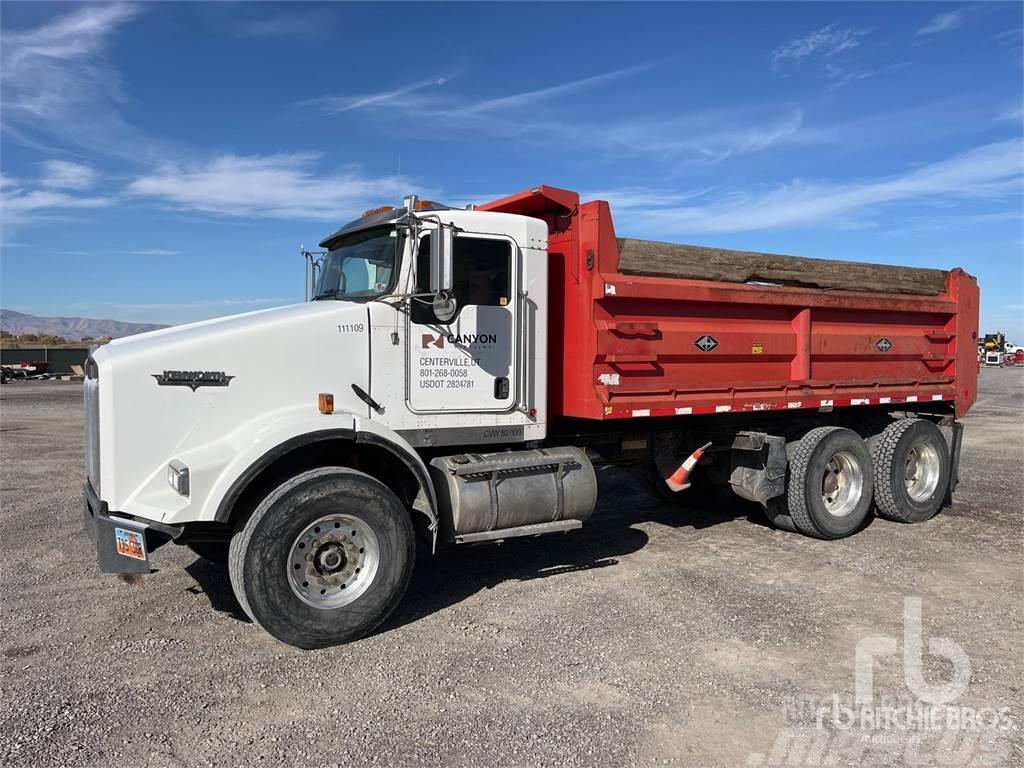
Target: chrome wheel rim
[922, 471]
[333, 561]
[842, 484]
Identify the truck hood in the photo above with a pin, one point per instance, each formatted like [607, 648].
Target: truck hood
[194, 385]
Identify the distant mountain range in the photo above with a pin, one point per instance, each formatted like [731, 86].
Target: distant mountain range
[72, 328]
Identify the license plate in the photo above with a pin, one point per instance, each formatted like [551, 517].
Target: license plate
[130, 543]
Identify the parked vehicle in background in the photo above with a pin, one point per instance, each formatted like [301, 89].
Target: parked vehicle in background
[458, 374]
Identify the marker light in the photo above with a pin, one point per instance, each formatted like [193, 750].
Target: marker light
[177, 477]
[382, 209]
[326, 403]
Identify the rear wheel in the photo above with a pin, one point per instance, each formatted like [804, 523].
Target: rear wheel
[324, 558]
[830, 483]
[911, 462]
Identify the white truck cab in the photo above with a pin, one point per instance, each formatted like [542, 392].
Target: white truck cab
[412, 341]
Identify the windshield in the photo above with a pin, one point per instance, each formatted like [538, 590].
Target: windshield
[361, 266]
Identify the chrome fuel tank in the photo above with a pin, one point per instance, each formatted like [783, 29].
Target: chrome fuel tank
[482, 492]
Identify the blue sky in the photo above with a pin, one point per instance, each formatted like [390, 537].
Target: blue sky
[164, 161]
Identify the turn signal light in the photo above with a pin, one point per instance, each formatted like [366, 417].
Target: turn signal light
[326, 403]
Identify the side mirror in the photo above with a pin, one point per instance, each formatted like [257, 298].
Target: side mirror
[313, 262]
[445, 307]
[442, 244]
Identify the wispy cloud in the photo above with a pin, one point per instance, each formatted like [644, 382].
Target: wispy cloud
[154, 252]
[333, 105]
[62, 174]
[825, 42]
[278, 186]
[56, 84]
[528, 98]
[992, 171]
[311, 25]
[21, 206]
[943, 22]
[1009, 38]
[841, 77]
[697, 136]
[454, 108]
[708, 137]
[55, 189]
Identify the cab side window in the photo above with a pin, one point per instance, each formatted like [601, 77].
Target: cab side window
[482, 275]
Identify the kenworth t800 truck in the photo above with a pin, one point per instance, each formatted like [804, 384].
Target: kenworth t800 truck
[457, 374]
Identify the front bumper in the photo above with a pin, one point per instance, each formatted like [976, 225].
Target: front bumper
[123, 544]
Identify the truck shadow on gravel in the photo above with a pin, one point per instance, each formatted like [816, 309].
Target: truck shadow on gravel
[212, 580]
[460, 571]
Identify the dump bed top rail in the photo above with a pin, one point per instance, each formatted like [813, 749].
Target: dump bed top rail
[695, 262]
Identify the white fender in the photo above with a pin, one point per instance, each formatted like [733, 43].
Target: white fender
[220, 469]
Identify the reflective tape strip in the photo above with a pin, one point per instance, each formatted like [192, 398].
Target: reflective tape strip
[687, 410]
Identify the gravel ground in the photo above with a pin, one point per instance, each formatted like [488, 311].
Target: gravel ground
[657, 635]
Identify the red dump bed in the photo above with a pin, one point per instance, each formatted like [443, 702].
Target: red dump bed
[637, 345]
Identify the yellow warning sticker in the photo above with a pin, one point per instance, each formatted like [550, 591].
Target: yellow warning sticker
[757, 348]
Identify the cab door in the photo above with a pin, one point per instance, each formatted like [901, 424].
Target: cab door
[467, 364]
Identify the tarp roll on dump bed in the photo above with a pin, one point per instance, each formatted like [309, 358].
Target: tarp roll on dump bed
[695, 262]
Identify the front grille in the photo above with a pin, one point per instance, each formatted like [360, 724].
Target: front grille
[92, 426]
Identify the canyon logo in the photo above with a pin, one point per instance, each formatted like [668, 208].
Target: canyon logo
[466, 339]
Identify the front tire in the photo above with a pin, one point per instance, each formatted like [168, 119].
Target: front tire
[830, 483]
[324, 559]
[911, 471]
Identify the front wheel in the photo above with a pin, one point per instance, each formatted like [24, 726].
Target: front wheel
[324, 558]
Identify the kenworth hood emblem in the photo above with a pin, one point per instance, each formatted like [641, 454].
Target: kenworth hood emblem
[192, 379]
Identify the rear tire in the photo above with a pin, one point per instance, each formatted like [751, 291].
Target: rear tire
[911, 463]
[830, 483]
[324, 559]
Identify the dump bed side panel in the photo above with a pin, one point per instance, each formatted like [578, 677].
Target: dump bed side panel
[666, 346]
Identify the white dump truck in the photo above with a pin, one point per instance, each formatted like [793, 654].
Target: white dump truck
[458, 373]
